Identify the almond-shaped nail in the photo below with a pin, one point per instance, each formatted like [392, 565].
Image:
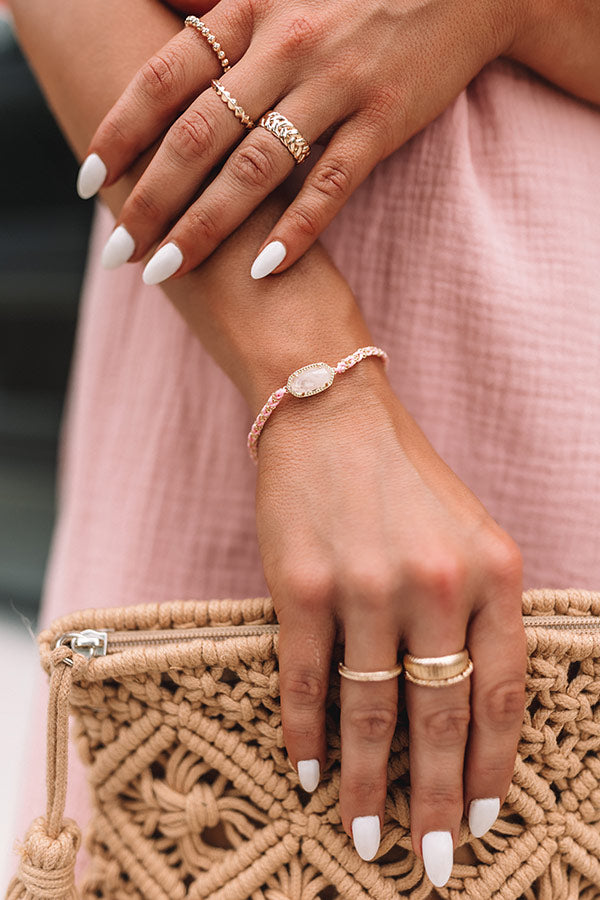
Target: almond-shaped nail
[309, 773]
[438, 856]
[118, 248]
[482, 815]
[366, 836]
[163, 264]
[268, 259]
[91, 177]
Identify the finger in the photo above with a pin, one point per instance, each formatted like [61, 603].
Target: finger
[369, 712]
[306, 636]
[164, 85]
[499, 652]
[350, 156]
[194, 144]
[438, 730]
[254, 169]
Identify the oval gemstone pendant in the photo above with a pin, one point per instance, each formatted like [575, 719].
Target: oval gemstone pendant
[310, 379]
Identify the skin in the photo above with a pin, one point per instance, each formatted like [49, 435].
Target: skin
[368, 81]
[363, 529]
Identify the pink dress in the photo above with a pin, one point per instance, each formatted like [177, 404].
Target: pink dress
[474, 251]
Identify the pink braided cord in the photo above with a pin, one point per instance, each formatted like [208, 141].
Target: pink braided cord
[278, 395]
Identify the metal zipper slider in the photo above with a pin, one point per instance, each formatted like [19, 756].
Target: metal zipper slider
[87, 643]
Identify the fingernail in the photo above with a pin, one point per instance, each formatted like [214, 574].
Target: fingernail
[163, 264]
[91, 176]
[268, 259]
[365, 834]
[118, 248]
[483, 814]
[308, 773]
[438, 856]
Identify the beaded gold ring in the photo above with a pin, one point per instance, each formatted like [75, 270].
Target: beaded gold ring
[232, 104]
[195, 22]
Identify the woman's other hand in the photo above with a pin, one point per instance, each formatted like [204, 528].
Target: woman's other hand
[371, 74]
[364, 528]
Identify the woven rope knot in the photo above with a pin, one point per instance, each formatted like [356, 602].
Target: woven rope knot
[46, 870]
[201, 810]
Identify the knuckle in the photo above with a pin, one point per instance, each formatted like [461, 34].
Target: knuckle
[202, 225]
[307, 587]
[503, 560]
[305, 687]
[333, 180]
[304, 220]
[191, 136]
[160, 74]
[442, 798]
[504, 704]
[253, 166]
[373, 723]
[142, 205]
[298, 36]
[371, 582]
[441, 577]
[112, 133]
[445, 727]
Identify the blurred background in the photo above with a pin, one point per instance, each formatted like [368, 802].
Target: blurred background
[43, 239]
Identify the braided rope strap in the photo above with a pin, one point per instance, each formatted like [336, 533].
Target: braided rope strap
[48, 853]
[305, 382]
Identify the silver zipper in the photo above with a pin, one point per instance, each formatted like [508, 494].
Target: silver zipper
[91, 642]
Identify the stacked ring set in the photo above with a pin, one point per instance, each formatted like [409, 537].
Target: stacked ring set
[272, 121]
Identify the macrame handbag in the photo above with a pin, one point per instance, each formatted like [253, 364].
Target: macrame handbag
[177, 714]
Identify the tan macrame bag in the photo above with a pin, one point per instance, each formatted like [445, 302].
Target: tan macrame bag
[177, 714]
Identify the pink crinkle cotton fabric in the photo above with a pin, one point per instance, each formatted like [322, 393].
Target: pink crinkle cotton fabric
[474, 251]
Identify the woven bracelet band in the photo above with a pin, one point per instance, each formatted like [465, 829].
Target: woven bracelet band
[305, 382]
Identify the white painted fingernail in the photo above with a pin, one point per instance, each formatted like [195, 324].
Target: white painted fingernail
[268, 259]
[483, 814]
[163, 264]
[308, 773]
[92, 174]
[438, 856]
[366, 835]
[118, 248]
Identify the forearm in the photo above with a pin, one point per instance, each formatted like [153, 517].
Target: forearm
[560, 39]
[257, 331]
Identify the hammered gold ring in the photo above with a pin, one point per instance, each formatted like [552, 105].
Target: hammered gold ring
[437, 671]
[232, 104]
[287, 133]
[195, 22]
[382, 675]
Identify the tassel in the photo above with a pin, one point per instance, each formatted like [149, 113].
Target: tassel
[47, 867]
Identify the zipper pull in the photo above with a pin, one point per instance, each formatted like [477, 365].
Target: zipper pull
[87, 643]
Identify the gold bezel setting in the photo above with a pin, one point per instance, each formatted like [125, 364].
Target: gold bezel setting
[318, 390]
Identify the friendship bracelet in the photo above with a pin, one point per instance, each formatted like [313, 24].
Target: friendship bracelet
[305, 382]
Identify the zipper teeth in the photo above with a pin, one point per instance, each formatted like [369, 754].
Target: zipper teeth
[123, 640]
[119, 640]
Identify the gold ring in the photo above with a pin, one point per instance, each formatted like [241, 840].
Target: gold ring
[437, 671]
[287, 133]
[369, 676]
[232, 104]
[194, 22]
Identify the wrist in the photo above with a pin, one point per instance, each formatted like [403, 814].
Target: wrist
[356, 395]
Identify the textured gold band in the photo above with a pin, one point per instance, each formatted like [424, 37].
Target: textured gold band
[232, 104]
[383, 675]
[437, 671]
[287, 133]
[194, 22]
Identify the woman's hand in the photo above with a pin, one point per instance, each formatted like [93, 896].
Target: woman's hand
[372, 74]
[363, 527]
